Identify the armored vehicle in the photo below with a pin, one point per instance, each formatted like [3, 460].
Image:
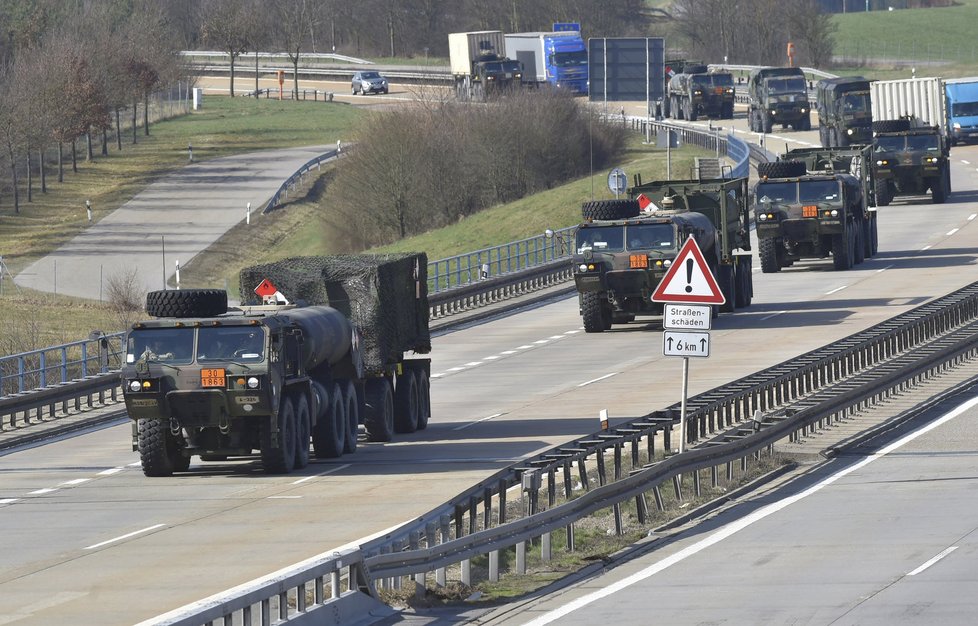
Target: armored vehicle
[624, 251]
[778, 95]
[845, 114]
[910, 159]
[695, 92]
[812, 203]
[204, 380]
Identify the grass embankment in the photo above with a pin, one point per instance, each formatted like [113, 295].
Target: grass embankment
[236, 125]
[939, 41]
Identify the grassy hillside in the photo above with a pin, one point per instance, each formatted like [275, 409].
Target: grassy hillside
[937, 41]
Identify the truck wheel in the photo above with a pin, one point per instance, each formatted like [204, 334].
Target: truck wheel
[677, 107]
[874, 236]
[158, 448]
[841, 250]
[891, 126]
[187, 302]
[279, 459]
[302, 431]
[424, 399]
[690, 112]
[859, 246]
[768, 251]
[406, 403]
[610, 209]
[806, 123]
[378, 416]
[728, 111]
[725, 280]
[745, 282]
[781, 169]
[329, 435]
[768, 123]
[352, 418]
[938, 189]
[596, 316]
[881, 192]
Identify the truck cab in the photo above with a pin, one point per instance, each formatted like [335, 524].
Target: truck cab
[962, 109]
[910, 159]
[845, 113]
[778, 95]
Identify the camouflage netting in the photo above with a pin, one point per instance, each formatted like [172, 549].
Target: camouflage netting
[379, 293]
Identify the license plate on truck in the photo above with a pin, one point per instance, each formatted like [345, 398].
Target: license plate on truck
[212, 377]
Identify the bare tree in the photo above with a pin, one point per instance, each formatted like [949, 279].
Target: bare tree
[293, 20]
[231, 25]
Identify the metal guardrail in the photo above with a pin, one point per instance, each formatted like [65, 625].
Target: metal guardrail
[282, 194]
[729, 425]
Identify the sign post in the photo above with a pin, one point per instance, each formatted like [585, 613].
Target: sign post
[688, 291]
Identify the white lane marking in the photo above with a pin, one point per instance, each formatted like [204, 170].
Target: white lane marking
[523, 347]
[951, 232]
[557, 337]
[927, 247]
[9, 500]
[326, 473]
[541, 341]
[126, 536]
[597, 379]
[884, 269]
[836, 290]
[484, 419]
[491, 358]
[109, 472]
[965, 162]
[438, 375]
[136, 464]
[938, 557]
[455, 369]
[573, 332]
[972, 216]
[76, 481]
[473, 363]
[508, 352]
[284, 497]
[763, 319]
[742, 523]
[42, 491]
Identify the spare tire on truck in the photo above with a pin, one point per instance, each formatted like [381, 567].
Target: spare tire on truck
[891, 126]
[610, 209]
[781, 169]
[187, 302]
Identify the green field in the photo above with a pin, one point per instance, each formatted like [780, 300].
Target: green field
[937, 41]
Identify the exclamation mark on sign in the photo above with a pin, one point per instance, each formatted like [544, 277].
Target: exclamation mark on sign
[689, 275]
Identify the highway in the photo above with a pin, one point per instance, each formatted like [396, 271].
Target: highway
[88, 540]
[878, 539]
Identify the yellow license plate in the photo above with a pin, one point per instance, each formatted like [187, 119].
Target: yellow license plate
[212, 377]
[638, 261]
[809, 211]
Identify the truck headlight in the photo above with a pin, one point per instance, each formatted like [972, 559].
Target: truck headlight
[957, 126]
[135, 385]
[762, 217]
[582, 267]
[849, 131]
[804, 110]
[883, 162]
[252, 383]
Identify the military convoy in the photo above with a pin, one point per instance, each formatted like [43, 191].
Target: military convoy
[694, 91]
[204, 380]
[778, 95]
[845, 114]
[813, 203]
[623, 251]
[910, 158]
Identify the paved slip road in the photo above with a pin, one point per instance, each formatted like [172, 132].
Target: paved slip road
[181, 214]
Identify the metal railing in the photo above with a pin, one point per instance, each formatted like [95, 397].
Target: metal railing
[282, 194]
[728, 429]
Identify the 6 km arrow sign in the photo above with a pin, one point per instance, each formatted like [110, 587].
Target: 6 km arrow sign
[686, 344]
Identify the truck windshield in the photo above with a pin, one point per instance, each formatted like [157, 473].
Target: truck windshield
[165, 345]
[964, 109]
[601, 239]
[230, 343]
[814, 191]
[570, 59]
[650, 236]
[923, 142]
[778, 193]
[890, 144]
[855, 103]
[793, 84]
[709, 81]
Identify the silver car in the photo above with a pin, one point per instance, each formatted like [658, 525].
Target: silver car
[369, 82]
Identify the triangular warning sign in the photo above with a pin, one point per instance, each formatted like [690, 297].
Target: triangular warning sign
[645, 204]
[266, 288]
[689, 279]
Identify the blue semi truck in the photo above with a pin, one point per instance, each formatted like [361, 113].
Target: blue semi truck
[556, 58]
[962, 109]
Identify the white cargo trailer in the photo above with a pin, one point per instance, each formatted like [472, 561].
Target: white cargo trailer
[922, 98]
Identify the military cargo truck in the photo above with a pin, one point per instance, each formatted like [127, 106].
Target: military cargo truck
[909, 159]
[845, 113]
[813, 203]
[695, 92]
[778, 95]
[479, 64]
[622, 252]
[208, 381]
